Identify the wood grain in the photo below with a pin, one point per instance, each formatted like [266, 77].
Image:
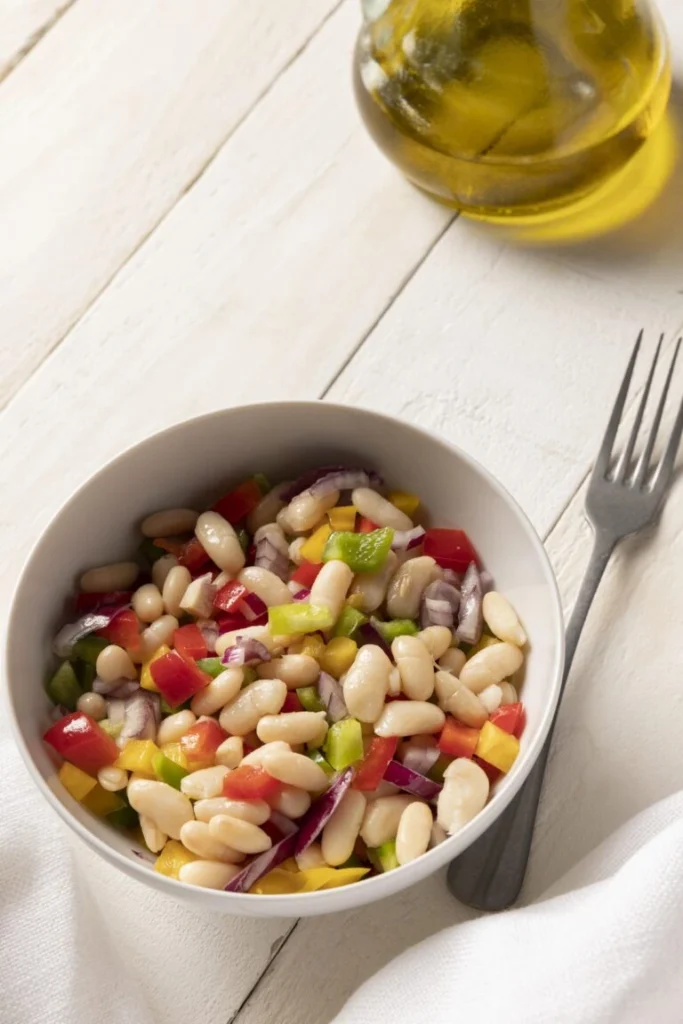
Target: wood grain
[23, 23]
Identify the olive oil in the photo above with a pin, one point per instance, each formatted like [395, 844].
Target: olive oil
[511, 109]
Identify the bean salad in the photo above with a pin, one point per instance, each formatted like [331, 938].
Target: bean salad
[294, 690]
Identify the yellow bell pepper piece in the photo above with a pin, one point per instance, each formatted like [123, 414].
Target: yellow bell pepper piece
[485, 641]
[343, 518]
[344, 876]
[146, 681]
[172, 858]
[312, 550]
[338, 656]
[407, 503]
[101, 802]
[279, 883]
[77, 782]
[356, 601]
[174, 752]
[313, 645]
[290, 865]
[137, 756]
[497, 747]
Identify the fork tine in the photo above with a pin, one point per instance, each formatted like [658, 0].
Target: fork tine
[644, 460]
[602, 461]
[666, 463]
[625, 458]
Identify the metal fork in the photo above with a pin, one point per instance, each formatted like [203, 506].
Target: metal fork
[621, 500]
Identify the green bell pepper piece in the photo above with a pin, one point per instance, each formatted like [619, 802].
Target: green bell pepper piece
[386, 855]
[393, 628]
[89, 648]
[262, 482]
[435, 773]
[243, 538]
[299, 618]
[310, 698]
[362, 552]
[63, 687]
[317, 756]
[149, 552]
[248, 673]
[353, 862]
[167, 770]
[349, 621]
[124, 818]
[113, 730]
[85, 673]
[344, 743]
[212, 666]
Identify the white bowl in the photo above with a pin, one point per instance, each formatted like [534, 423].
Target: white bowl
[187, 465]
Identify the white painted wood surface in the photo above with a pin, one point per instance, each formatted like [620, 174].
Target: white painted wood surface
[23, 23]
[195, 217]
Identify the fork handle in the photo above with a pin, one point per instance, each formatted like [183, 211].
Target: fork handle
[490, 873]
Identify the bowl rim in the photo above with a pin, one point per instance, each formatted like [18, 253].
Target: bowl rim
[382, 885]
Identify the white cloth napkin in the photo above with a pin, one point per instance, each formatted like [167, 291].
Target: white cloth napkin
[603, 945]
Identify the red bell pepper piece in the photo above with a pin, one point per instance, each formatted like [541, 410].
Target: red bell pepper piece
[492, 772]
[124, 630]
[365, 525]
[451, 549]
[306, 573]
[78, 739]
[457, 740]
[370, 771]
[511, 718]
[189, 642]
[237, 504]
[250, 783]
[229, 623]
[177, 679]
[91, 602]
[229, 597]
[193, 556]
[201, 742]
[292, 702]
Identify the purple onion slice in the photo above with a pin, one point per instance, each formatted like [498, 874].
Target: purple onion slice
[406, 539]
[322, 810]
[332, 695]
[421, 759]
[439, 604]
[411, 781]
[262, 864]
[326, 479]
[470, 618]
[245, 650]
[68, 635]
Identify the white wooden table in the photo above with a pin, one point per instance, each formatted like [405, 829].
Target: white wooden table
[194, 217]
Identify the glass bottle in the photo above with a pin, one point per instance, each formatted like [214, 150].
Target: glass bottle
[509, 109]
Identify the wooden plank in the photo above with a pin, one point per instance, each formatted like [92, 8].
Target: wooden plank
[23, 23]
[104, 126]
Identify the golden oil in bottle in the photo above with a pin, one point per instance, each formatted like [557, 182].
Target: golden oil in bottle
[511, 109]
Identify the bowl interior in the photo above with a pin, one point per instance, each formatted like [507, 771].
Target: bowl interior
[193, 463]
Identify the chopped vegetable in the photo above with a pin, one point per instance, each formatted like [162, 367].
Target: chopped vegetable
[172, 858]
[63, 688]
[260, 865]
[176, 678]
[167, 770]
[313, 646]
[458, 740]
[138, 756]
[101, 601]
[343, 517]
[320, 812]
[312, 550]
[386, 855]
[193, 556]
[344, 743]
[310, 698]
[365, 525]
[298, 618]
[146, 678]
[211, 666]
[89, 648]
[230, 596]
[77, 782]
[306, 574]
[201, 741]
[362, 552]
[338, 656]
[150, 552]
[78, 739]
[248, 782]
[279, 882]
[263, 483]
[497, 747]
[349, 621]
[332, 696]
[317, 756]
[439, 605]
[236, 505]
[509, 718]
[243, 538]
[421, 759]
[440, 766]
[411, 781]
[485, 640]
[451, 549]
[493, 774]
[174, 752]
[245, 650]
[124, 818]
[101, 802]
[407, 503]
[69, 635]
[404, 540]
[189, 641]
[470, 614]
[123, 630]
[393, 628]
[292, 703]
[370, 772]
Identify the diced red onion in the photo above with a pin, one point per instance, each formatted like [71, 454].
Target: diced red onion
[262, 864]
[244, 651]
[451, 576]
[421, 759]
[125, 689]
[268, 557]
[411, 781]
[68, 635]
[405, 539]
[140, 717]
[439, 604]
[344, 480]
[486, 581]
[107, 688]
[209, 630]
[252, 607]
[304, 482]
[470, 617]
[295, 588]
[332, 696]
[322, 810]
[116, 710]
[302, 594]
[284, 825]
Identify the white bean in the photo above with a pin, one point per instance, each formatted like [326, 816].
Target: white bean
[465, 705]
[255, 811]
[239, 834]
[465, 792]
[380, 822]
[415, 666]
[394, 687]
[167, 807]
[502, 620]
[383, 789]
[256, 756]
[294, 550]
[439, 835]
[373, 506]
[371, 587]
[147, 602]
[453, 660]
[341, 831]
[242, 714]
[209, 874]
[413, 833]
[491, 697]
[92, 704]
[407, 717]
[174, 589]
[169, 523]
[508, 694]
[304, 511]
[161, 569]
[265, 584]
[445, 685]
[219, 540]
[491, 665]
[230, 752]
[311, 857]
[114, 663]
[331, 586]
[366, 683]
[176, 725]
[196, 837]
[219, 692]
[267, 509]
[291, 801]
[112, 779]
[155, 839]
[407, 586]
[274, 644]
[198, 598]
[437, 640]
[295, 770]
[204, 783]
[117, 576]
[155, 636]
[293, 669]
[293, 727]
